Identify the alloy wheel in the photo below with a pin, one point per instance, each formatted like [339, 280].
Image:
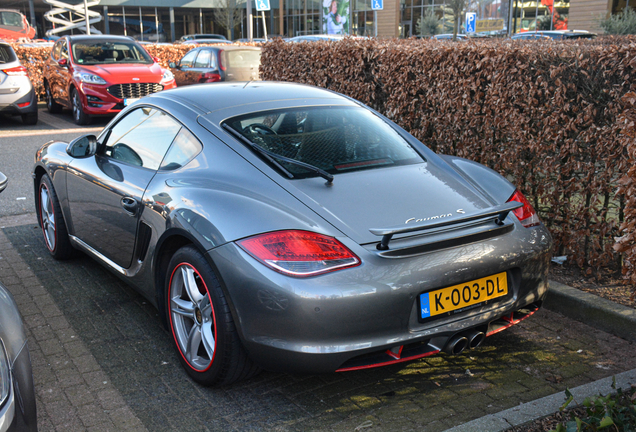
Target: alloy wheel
[192, 317]
[77, 107]
[47, 216]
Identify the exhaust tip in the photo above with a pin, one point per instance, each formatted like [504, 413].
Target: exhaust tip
[475, 339]
[456, 345]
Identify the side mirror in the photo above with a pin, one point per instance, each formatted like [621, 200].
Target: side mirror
[156, 59]
[172, 65]
[63, 62]
[82, 147]
[3, 182]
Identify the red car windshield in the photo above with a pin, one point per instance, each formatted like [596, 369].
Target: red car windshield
[108, 52]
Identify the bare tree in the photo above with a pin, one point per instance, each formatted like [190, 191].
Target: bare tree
[226, 14]
[457, 7]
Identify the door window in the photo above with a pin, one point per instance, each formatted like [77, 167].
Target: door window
[184, 148]
[203, 59]
[142, 138]
[188, 59]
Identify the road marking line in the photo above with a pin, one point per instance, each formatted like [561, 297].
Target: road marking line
[9, 134]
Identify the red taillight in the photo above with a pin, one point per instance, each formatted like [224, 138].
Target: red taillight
[299, 253]
[526, 214]
[221, 60]
[209, 77]
[16, 71]
[24, 104]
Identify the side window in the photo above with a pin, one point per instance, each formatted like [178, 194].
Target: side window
[63, 50]
[142, 138]
[184, 148]
[188, 59]
[203, 59]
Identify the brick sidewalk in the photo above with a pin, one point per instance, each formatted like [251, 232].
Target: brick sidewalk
[102, 361]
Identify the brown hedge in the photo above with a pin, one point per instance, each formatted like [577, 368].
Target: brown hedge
[544, 114]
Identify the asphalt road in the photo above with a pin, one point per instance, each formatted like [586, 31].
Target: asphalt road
[18, 144]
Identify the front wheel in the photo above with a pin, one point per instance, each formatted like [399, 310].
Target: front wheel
[79, 116]
[52, 221]
[201, 323]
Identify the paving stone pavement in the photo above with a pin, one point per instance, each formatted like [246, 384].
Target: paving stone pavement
[103, 362]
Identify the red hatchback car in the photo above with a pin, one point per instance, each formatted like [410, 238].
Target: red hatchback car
[100, 75]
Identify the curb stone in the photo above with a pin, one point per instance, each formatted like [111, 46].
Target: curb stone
[545, 406]
[592, 310]
[585, 307]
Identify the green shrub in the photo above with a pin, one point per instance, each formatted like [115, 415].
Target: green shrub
[429, 25]
[623, 23]
[615, 412]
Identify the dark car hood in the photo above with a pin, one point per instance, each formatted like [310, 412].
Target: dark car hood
[125, 72]
[388, 197]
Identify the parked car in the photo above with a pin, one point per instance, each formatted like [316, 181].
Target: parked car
[214, 64]
[14, 25]
[17, 95]
[530, 36]
[17, 394]
[316, 37]
[208, 41]
[288, 227]
[191, 37]
[255, 40]
[557, 34]
[447, 36]
[100, 75]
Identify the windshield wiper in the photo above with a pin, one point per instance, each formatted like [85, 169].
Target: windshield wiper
[271, 156]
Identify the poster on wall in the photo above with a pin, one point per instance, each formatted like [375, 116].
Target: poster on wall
[335, 17]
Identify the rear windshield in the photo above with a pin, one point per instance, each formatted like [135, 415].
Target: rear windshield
[334, 139]
[101, 52]
[6, 54]
[242, 58]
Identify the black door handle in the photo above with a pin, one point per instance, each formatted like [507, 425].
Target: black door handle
[130, 205]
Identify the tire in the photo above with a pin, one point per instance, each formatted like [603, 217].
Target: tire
[79, 116]
[201, 323]
[52, 221]
[51, 106]
[30, 119]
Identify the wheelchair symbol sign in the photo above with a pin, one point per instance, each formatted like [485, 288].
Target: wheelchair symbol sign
[262, 5]
[377, 4]
[471, 20]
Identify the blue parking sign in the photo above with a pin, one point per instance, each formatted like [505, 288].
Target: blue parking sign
[377, 4]
[471, 20]
[262, 5]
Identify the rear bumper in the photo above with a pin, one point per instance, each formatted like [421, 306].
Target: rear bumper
[10, 104]
[349, 319]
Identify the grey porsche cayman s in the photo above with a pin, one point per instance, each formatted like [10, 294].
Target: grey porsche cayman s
[291, 228]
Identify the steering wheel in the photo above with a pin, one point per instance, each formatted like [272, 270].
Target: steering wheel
[260, 129]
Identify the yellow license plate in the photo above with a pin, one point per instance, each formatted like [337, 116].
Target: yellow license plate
[460, 296]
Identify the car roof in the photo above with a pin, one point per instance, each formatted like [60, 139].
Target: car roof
[224, 95]
[103, 37]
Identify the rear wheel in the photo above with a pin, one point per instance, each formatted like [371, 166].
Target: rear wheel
[201, 323]
[79, 116]
[52, 221]
[52, 106]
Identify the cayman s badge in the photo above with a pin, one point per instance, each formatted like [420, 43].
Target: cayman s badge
[135, 79]
[460, 211]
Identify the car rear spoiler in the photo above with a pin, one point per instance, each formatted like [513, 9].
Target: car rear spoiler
[498, 214]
